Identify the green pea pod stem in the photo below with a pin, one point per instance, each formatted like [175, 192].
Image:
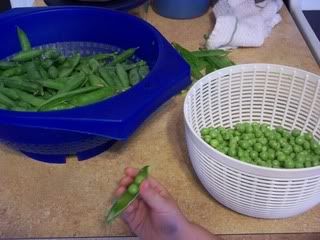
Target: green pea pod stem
[123, 76]
[53, 72]
[64, 97]
[210, 53]
[73, 83]
[104, 73]
[29, 98]
[10, 93]
[116, 81]
[52, 84]
[93, 97]
[21, 84]
[6, 101]
[6, 65]
[16, 71]
[27, 55]
[124, 56]
[96, 81]
[127, 197]
[23, 39]
[134, 76]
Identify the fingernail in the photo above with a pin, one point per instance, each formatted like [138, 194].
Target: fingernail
[144, 185]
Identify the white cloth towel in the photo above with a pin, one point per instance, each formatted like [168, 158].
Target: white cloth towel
[243, 23]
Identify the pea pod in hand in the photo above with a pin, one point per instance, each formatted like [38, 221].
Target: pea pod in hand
[128, 196]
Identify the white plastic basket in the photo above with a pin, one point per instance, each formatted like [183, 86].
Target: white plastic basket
[278, 95]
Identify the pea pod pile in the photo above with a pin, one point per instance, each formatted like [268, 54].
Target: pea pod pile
[45, 79]
[262, 145]
[204, 61]
[128, 196]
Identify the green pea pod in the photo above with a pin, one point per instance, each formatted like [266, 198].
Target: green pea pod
[123, 76]
[128, 67]
[60, 106]
[10, 93]
[96, 81]
[17, 83]
[23, 39]
[143, 71]
[93, 97]
[68, 67]
[27, 55]
[134, 76]
[6, 65]
[15, 71]
[32, 71]
[127, 197]
[116, 81]
[124, 56]
[210, 53]
[62, 97]
[6, 101]
[104, 73]
[73, 83]
[29, 98]
[44, 74]
[52, 84]
[53, 72]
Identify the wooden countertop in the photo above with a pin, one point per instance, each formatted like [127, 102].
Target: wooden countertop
[42, 200]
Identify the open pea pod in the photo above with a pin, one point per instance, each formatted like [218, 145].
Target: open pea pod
[128, 196]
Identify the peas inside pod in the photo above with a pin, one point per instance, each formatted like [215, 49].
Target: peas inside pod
[262, 145]
[45, 79]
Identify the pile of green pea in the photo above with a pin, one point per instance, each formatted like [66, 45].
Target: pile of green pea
[262, 145]
[45, 79]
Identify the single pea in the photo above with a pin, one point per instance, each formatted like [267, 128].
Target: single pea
[308, 136]
[254, 155]
[264, 149]
[286, 134]
[274, 144]
[264, 155]
[269, 164]
[297, 148]
[306, 145]
[277, 136]
[133, 188]
[244, 144]
[276, 164]
[225, 149]
[308, 164]
[283, 142]
[246, 137]
[271, 154]
[296, 132]
[261, 163]
[281, 156]
[207, 139]
[237, 133]
[263, 140]
[258, 134]
[279, 130]
[258, 147]
[314, 144]
[287, 149]
[139, 179]
[205, 131]
[214, 143]
[251, 141]
[289, 164]
[232, 152]
[249, 129]
[214, 133]
[292, 155]
[299, 165]
[300, 140]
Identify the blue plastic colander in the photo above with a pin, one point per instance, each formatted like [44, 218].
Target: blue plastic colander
[89, 130]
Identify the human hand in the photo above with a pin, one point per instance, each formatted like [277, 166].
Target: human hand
[154, 215]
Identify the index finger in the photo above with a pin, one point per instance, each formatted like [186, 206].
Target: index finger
[131, 172]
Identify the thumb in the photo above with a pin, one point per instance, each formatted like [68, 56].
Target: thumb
[152, 198]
